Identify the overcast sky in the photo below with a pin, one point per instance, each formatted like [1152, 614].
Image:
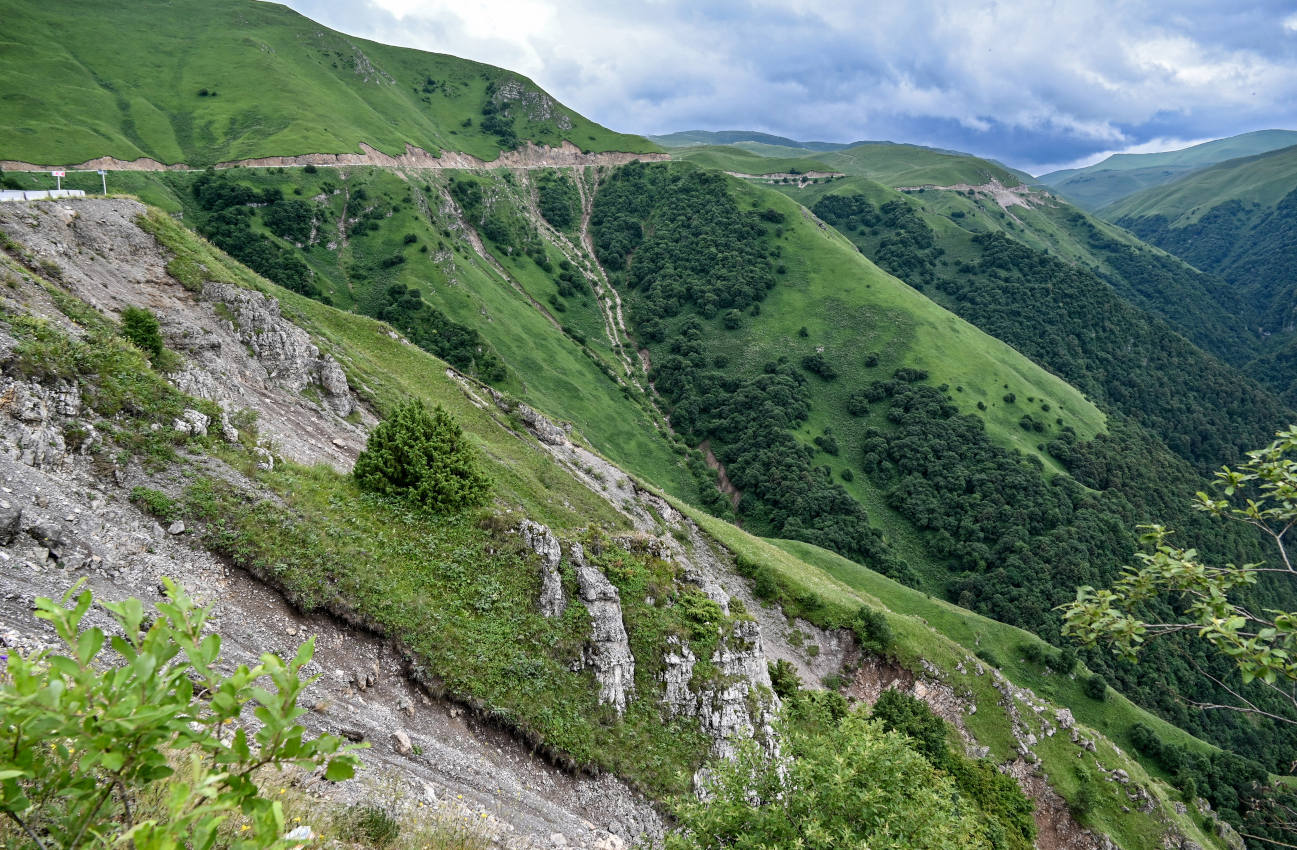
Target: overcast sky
[1037, 85]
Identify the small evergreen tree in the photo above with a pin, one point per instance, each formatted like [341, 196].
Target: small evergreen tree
[141, 327]
[422, 456]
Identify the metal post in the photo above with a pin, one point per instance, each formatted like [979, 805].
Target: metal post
[103, 176]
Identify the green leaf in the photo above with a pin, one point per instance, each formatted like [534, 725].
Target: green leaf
[340, 768]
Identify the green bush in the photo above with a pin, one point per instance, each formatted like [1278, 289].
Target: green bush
[423, 456]
[141, 327]
[1096, 687]
[88, 744]
[857, 786]
[872, 630]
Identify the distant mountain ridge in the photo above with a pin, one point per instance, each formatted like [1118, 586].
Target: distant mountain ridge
[1122, 175]
[1237, 219]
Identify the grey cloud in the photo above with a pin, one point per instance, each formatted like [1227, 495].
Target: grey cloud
[1026, 82]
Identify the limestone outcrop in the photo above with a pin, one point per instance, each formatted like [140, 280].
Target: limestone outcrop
[608, 649]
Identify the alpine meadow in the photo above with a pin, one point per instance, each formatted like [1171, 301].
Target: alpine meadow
[393, 457]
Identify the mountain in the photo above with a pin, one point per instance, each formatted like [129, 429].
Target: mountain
[758, 448]
[1237, 220]
[690, 138]
[520, 278]
[1122, 175]
[185, 81]
[435, 627]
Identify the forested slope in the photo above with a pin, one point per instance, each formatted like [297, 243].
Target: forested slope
[1238, 220]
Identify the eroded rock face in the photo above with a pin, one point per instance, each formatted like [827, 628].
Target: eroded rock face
[37, 422]
[723, 705]
[237, 348]
[286, 351]
[539, 540]
[608, 650]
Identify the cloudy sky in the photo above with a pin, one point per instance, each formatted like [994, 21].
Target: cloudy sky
[1034, 83]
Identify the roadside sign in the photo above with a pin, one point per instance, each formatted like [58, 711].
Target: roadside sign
[59, 173]
[101, 172]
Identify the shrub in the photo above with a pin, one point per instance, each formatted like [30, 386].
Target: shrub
[858, 786]
[422, 456]
[1096, 687]
[900, 712]
[371, 825]
[141, 327]
[784, 679]
[85, 740]
[871, 629]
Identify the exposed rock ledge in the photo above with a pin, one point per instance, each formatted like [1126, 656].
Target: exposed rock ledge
[527, 156]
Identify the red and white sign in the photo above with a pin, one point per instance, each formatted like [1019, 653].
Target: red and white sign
[59, 173]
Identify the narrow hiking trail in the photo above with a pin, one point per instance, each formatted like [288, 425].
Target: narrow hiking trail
[528, 195]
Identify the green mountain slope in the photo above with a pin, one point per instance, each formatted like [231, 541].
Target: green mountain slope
[912, 165]
[1121, 175]
[743, 161]
[692, 138]
[1196, 304]
[774, 344]
[474, 633]
[1238, 220]
[200, 82]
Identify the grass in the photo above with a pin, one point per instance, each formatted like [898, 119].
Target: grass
[929, 631]
[562, 381]
[912, 165]
[1121, 175]
[730, 158]
[852, 309]
[461, 596]
[186, 82]
[1262, 179]
[459, 593]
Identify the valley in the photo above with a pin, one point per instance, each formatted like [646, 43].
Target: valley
[787, 450]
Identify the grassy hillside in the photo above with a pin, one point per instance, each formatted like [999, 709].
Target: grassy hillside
[911, 165]
[694, 138]
[736, 159]
[366, 231]
[1262, 179]
[200, 82]
[1121, 175]
[1237, 220]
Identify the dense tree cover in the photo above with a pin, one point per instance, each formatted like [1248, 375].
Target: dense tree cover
[228, 224]
[1238, 789]
[559, 200]
[749, 422]
[1017, 545]
[430, 329]
[1069, 321]
[681, 244]
[1254, 248]
[692, 245]
[1198, 304]
[422, 456]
